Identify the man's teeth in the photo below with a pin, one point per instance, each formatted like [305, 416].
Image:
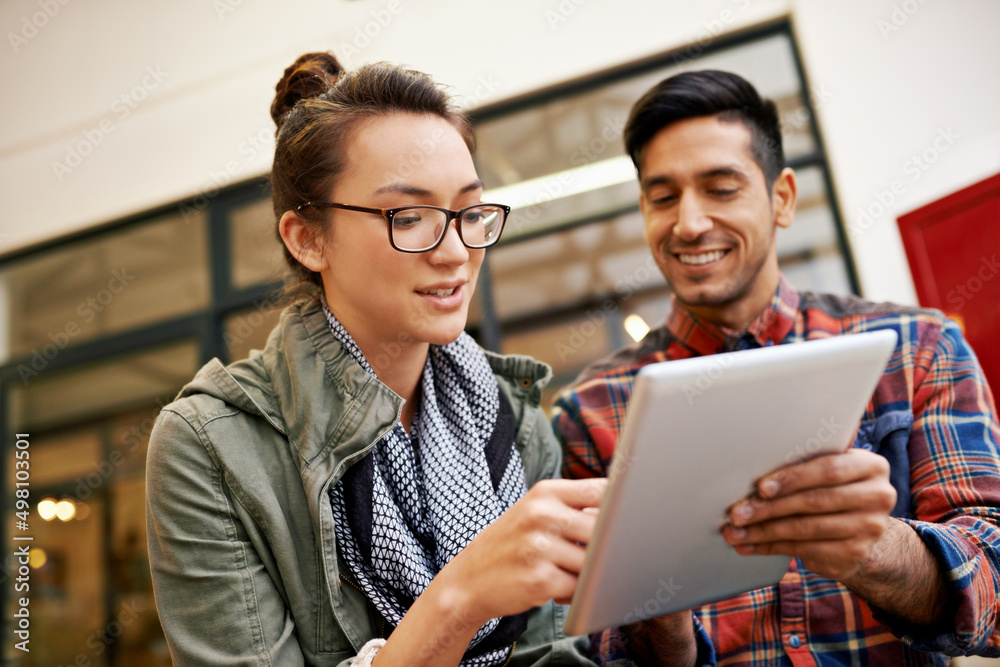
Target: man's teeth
[703, 258]
[441, 292]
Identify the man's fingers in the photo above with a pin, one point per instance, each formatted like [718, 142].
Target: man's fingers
[823, 472]
[872, 495]
[807, 529]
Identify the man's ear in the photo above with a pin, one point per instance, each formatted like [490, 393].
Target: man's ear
[784, 194]
[301, 240]
[643, 209]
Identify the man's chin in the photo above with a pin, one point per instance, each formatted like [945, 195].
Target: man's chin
[701, 293]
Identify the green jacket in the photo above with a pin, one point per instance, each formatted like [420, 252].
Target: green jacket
[240, 528]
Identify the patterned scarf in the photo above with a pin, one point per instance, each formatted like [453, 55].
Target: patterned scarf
[405, 510]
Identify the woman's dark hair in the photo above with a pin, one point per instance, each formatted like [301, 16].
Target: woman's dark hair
[708, 93]
[317, 106]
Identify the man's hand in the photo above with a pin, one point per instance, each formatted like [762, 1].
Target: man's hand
[833, 513]
[829, 511]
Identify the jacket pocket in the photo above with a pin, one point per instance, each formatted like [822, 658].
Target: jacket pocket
[888, 435]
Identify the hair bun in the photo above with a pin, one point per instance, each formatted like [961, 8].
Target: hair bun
[309, 76]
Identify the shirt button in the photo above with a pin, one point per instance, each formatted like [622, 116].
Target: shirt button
[794, 641]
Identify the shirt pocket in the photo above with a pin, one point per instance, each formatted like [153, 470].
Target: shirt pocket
[888, 435]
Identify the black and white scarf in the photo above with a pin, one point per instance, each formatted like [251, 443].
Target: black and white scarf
[416, 500]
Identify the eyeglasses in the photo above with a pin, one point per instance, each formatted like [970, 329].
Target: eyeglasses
[422, 228]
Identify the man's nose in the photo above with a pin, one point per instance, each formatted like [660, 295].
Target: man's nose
[692, 218]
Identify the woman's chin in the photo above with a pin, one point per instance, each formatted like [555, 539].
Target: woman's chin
[443, 338]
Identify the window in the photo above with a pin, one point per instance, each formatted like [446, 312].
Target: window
[573, 268]
[105, 327]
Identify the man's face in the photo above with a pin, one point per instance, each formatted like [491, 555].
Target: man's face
[710, 218]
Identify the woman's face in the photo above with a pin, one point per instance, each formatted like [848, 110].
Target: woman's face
[389, 300]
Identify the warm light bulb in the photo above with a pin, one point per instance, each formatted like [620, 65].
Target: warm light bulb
[47, 509]
[37, 558]
[65, 510]
[636, 327]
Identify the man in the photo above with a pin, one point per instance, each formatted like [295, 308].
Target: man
[895, 543]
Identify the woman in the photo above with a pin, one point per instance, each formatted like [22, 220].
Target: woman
[358, 491]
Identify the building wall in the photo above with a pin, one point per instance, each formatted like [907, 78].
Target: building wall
[908, 113]
[116, 107]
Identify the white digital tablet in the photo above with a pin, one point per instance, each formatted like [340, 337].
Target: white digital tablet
[698, 432]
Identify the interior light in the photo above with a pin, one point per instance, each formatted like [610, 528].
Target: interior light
[47, 509]
[65, 510]
[560, 184]
[37, 557]
[636, 327]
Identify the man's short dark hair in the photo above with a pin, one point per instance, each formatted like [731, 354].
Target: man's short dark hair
[708, 93]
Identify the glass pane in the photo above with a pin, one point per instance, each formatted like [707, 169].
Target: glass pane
[139, 641]
[145, 273]
[53, 399]
[560, 164]
[256, 252]
[248, 330]
[604, 202]
[586, 128]
[93, 601]
[808, 252]
[580, 266]
[568, 345]
[67, 585]
[60, 459]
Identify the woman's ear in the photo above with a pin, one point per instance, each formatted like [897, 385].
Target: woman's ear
[301, 241]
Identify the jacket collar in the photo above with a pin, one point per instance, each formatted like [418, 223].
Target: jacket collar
[769, 328]
[311, 390]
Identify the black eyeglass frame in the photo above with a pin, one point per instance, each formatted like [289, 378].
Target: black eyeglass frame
[389, 213]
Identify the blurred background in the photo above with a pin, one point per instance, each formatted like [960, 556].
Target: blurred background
[137, 238]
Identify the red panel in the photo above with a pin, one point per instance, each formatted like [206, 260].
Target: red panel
[953, 246]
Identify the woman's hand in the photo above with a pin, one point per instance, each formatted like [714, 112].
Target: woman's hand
[531, 554]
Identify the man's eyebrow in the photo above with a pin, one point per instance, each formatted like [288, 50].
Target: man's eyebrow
[646, 183]
[715, 172]
[407, 189]
[723, 171]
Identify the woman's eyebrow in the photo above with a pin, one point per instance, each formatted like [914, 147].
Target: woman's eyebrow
[407, 189]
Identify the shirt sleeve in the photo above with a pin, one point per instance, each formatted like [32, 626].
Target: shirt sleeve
[955, 482]
[587, 418]
[581, 459]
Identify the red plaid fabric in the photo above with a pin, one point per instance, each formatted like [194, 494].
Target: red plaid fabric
[932, 416]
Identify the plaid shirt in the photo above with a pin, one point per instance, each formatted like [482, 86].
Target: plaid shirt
[932, 416]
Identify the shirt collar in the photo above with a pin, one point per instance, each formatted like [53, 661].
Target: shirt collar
[768, 328]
